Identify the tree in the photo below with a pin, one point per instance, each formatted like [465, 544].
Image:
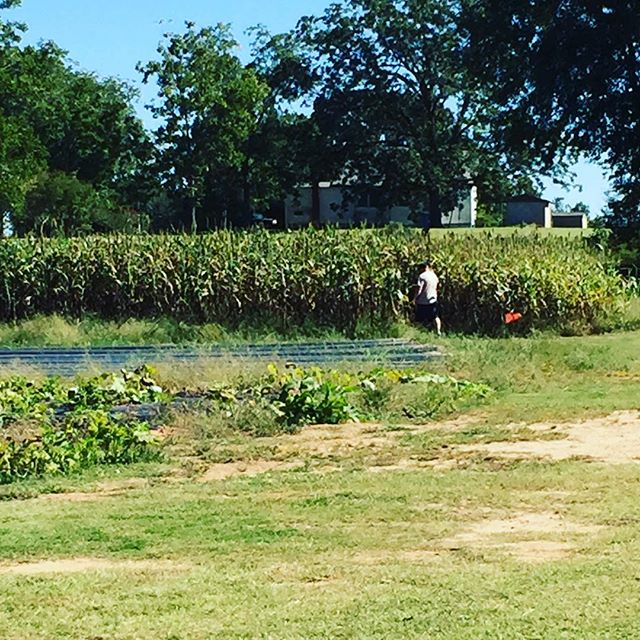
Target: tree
[209, 106]
[59, 204]
[87, 125]
[21, 159]
[9, 31]
[55, 119]
[581, 207]
[394, 98]
[303, 152]
[566, 79]
[21, 154]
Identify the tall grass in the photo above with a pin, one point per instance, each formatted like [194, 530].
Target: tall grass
[328, 278]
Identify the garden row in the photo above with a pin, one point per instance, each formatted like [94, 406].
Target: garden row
[325, 278]
[49, 427]
[52, 427]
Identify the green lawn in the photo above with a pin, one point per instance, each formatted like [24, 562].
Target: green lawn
[370, 531]
[349, 554]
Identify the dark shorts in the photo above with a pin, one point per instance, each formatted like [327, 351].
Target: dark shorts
[427, 312]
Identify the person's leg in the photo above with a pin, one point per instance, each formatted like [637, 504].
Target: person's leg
[434, 316]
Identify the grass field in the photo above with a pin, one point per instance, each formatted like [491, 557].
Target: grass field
[516, 519]
[55, 330]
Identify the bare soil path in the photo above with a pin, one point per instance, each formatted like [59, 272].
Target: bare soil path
[613, 439]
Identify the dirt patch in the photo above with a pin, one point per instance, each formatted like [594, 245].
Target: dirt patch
[225, 470]
[536, 528]
[332, 440]
[538, 550]
[319, 446]
[614, 439]
[545, 522]
[81, 565]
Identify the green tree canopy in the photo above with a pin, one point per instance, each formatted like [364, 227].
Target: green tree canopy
[59, 204]
[209, 106]
[394, 97]
[87, 125]
[566, 80]
[21, 153]
[55, 119]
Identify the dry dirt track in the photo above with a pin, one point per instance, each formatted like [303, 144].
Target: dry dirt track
[613, 439]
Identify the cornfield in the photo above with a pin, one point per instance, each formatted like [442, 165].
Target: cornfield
[327, 278]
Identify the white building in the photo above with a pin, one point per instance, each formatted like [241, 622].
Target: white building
[335, 210]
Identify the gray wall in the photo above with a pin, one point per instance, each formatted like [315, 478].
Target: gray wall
[570, 220]
[538, 213]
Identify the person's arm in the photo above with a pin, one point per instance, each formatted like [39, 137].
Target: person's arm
[421, 286]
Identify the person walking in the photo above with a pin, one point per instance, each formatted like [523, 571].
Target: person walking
[426, 298]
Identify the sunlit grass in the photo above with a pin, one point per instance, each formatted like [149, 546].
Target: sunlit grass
[59, 331]
[356, 542]
[346, 554]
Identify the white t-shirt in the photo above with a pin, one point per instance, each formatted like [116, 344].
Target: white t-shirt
[429, 283]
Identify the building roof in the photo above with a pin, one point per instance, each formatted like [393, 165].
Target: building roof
[528, 197]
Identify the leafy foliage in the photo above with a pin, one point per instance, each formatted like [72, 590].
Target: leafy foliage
[48, 427]
[294, 397]
[210, 105]
[306, 397]
[566, 80]
[61, 205]
[61, 126]
[396, 98]
[438, 395]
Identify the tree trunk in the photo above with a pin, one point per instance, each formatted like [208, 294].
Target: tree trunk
[194, 218]
[246, 210]
[246, 205]
[315, 202]
[435, 211]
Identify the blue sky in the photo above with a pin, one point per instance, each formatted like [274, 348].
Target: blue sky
[110, 37]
